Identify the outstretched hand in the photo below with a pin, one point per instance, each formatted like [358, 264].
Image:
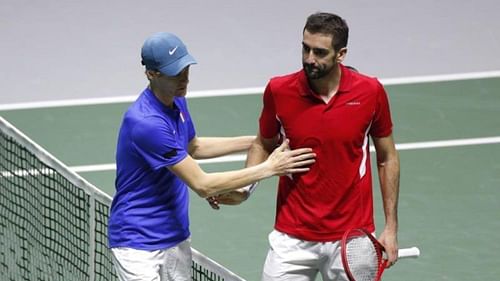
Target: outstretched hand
[234, 197]
[281, 161]
[285, 161]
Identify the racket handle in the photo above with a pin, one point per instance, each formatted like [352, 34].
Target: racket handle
[412, 252]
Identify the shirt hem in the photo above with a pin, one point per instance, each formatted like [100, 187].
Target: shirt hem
[308, 235]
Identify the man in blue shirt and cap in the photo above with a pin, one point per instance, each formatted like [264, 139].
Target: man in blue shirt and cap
[148, 230]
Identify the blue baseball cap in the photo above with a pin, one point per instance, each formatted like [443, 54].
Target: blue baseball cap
[165, 53]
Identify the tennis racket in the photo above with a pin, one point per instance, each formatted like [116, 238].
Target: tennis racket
[363, 256]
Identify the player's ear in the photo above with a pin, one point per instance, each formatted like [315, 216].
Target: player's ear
[341, 55]
[150, 74]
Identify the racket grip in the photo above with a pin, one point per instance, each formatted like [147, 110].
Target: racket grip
[412, 252]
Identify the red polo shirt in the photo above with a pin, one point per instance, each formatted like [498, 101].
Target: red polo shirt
[336, 194]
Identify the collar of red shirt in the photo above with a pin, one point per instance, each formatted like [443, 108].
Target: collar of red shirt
[344, 86]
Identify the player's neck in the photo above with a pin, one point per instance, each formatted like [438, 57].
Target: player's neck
[164, 97]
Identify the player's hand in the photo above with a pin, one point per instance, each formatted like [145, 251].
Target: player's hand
[212, 201]
[285, 161]
[234, 197]
[390, 242]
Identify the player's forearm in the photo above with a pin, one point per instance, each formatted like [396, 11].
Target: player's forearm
[259, 151]
[217, 183]
[210, 184]
[256, 155]
[280, 162]
[389, 182]
[207, 147]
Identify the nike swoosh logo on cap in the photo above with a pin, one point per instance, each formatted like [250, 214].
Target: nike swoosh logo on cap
[171, 52]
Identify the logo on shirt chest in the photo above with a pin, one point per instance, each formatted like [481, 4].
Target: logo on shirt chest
[353, 103]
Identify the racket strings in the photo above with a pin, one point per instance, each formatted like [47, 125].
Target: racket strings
[363, 259]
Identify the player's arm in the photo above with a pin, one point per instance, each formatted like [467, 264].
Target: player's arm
[388, 171]
[208, 147]
[258, 152]
[260, 149]
[281, 161]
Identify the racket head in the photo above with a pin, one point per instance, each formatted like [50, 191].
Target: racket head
[362, 255]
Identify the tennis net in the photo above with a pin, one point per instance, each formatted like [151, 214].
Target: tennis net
[53, 223]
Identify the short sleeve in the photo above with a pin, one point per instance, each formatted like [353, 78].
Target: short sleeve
[154, 139]
[382, 122]
[268, 124]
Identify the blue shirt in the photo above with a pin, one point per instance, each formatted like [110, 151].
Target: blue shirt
[150, 208]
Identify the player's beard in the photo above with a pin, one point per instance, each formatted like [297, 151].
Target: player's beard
[317, 72]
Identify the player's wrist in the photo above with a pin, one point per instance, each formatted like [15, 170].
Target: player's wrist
[268, 169]
[391, 227]
[249, 189]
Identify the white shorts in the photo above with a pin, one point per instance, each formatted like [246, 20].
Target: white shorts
[172, 264]
[292, 259]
